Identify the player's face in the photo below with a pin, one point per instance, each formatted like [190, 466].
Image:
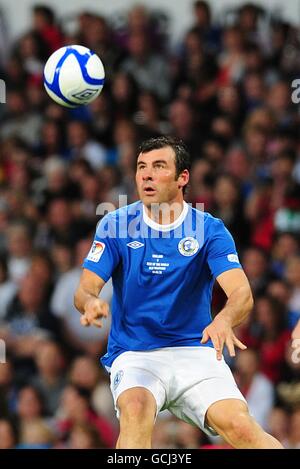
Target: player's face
[156, 177]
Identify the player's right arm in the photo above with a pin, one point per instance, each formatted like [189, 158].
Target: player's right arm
[92, 308]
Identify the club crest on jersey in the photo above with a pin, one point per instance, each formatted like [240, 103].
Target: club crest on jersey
[96, 251]
[188, 246]
[118, 378]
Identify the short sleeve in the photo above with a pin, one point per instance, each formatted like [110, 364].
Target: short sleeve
[103, 257]
[221, 250]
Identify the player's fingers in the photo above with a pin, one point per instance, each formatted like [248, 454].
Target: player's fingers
[105, 309]
[238, 343]
[97, 322]
[205, 337]
[94, 313]
[84, 320]
[98, 312]
[230, 347]
[218, 346]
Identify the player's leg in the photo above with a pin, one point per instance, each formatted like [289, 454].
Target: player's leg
[139, 394]
[230, 419]
[137, 412]
[208, 396]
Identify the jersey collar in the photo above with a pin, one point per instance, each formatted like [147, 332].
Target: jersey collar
[172, 226]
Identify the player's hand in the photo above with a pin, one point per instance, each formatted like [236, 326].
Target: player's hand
[220, 332]
[94, 311]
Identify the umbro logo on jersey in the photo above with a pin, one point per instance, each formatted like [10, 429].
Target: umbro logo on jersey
[135, 244]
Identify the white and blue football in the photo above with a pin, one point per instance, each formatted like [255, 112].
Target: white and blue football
[73, 76]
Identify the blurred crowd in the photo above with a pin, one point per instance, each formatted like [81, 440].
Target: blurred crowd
[225, 90]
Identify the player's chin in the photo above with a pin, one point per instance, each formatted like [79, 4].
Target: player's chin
[149, 199]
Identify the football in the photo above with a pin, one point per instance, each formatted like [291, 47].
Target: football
[74, 76]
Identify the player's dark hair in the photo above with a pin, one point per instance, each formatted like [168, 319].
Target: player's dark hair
[182, 157]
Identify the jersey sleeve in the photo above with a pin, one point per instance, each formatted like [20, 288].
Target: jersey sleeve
[103, 256]
[221, 251]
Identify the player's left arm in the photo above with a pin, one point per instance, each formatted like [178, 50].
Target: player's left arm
[239, 304]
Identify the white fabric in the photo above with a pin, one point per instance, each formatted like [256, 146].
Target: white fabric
[184, 380]
[170, 226]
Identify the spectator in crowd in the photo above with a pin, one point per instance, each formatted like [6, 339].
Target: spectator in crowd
[85, 436]
[278, 425]
[255, 264]
[76, 408]
[8, 434]
[44, 23]
[29, 407]
[28, 322]
[293, 440]
[19, 248]
[35, 434]
[8, 387]
[19, 120]
[7, 288]
[149, 69]
[50, 379]
[86, 374]
[273, 336]
[227, 205]
[88, 340]
[82, 145]
[257, 388]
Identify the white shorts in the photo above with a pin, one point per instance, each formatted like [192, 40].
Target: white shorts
[184, 380]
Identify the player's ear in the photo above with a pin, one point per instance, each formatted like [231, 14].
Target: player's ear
[183, 178]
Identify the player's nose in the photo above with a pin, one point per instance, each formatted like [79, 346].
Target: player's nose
[147, 176]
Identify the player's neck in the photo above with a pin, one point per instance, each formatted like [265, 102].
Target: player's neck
[165, 213]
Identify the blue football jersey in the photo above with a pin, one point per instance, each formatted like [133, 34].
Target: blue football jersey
[162, 276]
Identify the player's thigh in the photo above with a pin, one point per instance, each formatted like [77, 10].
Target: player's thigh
[210, 383]
[134, 380]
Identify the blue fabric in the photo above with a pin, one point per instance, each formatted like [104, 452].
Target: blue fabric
[162, 285]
